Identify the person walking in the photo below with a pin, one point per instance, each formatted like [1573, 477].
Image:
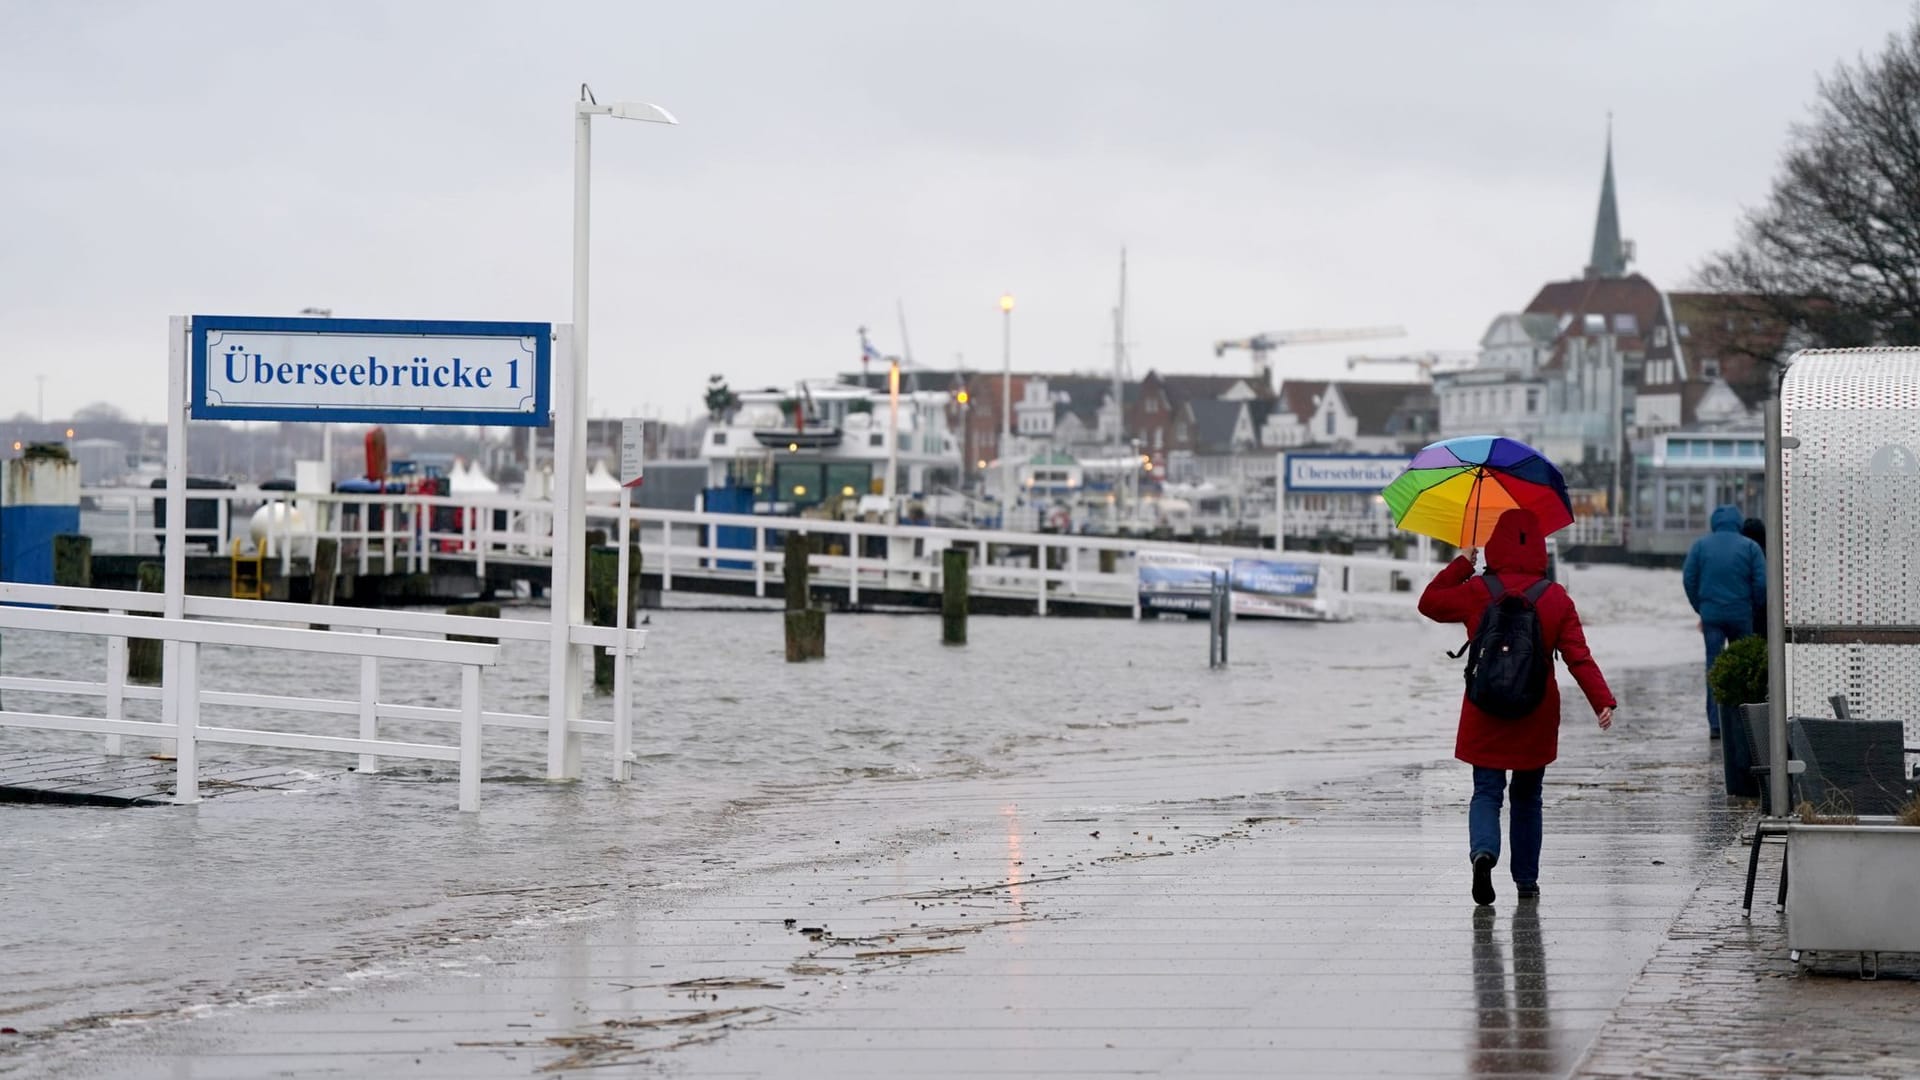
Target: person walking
[1725, 577]
[1508, 740]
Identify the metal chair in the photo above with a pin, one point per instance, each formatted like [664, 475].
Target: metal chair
[1853, 766]
[1760, 743]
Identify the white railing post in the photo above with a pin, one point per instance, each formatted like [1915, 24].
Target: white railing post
[187, 723]
[116, 686]
[370, 706]
[666, 557]
[1040, 559]
[133, 525]
[223, 522]
[853, 569]
[470, 737]
[425, 533]
[759, 560]
[1073, 571]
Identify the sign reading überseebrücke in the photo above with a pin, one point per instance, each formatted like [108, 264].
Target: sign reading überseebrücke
[376, 371]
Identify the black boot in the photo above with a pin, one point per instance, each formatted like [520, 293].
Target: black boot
[1483, 879]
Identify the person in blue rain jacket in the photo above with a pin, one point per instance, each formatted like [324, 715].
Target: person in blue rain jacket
[1725, 576]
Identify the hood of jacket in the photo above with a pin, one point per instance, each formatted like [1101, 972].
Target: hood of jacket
[1727, 519]
[1517, 545]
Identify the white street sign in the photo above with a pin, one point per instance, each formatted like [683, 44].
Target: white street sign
[633, 451]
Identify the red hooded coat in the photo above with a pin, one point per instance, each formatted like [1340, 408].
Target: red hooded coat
[1517, 553]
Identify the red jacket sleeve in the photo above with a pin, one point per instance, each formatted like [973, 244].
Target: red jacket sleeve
[1450, 597]
[1572, 646]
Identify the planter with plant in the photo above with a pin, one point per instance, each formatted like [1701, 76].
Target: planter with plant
[1739, 682]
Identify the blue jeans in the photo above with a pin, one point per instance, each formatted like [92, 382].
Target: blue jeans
[1483, 819]
[1718, 635]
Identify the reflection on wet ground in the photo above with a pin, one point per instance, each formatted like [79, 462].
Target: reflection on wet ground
[1515, 1017]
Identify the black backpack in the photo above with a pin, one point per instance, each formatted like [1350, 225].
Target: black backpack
[1507, 658]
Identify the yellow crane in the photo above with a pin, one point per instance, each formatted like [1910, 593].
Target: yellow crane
[1260, 345]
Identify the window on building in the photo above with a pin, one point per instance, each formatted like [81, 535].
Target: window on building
[876, 439]
[1710, 369]
[1659, 337]
[1685, 331]
[1626, 324]
[1533, 400]
[719, 438]
[1153, 404]
[1329, 421]
[1506, 401]
[1180, 431]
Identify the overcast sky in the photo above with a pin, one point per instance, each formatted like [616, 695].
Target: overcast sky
[1268, 166]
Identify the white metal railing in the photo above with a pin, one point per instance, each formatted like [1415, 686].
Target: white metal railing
[1604, 531]
[368, 644]
[684, 543]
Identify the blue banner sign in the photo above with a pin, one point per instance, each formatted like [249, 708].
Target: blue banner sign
[373, 371]
[1172, 583]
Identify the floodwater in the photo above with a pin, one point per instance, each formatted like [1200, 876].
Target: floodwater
[116, 916]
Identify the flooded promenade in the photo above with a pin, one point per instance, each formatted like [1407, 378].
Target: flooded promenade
[1067, 848]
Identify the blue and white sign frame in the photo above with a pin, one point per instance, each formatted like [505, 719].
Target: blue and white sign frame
[1337, 473]
[371, 371]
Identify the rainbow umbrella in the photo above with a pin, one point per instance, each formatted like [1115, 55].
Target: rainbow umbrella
[1456, 489]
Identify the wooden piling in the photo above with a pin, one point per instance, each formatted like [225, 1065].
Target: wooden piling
[1109, 560]
[143, 654]
[603, 603]
[73, 561]
[953, 596]
[795, 572]
[806, 635]
[326, 570]
[603, 598]
[806, 625]
[480, 610]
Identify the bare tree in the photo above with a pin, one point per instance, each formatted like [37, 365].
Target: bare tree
[1834, 252]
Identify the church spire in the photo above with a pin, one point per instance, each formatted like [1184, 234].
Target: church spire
[1609, 251]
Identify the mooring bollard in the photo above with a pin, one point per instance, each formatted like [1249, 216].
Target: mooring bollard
[953, 596]
[143, 654]
[482, 609]
[1219, 617]
[806, 625]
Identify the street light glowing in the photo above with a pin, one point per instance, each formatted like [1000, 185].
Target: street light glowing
[799, 490]
[961, 397]
[69, 433]
[847, 491]
[793, 448]
[982, 463]
[1006, 302]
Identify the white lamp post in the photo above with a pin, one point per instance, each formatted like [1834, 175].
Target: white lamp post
[1006, 404]
[570, 443]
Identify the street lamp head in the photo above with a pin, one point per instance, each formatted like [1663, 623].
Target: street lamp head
[1006, 302]
[626, 110]
[961, 397]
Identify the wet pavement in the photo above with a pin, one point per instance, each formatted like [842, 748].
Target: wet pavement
[1258, 872]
